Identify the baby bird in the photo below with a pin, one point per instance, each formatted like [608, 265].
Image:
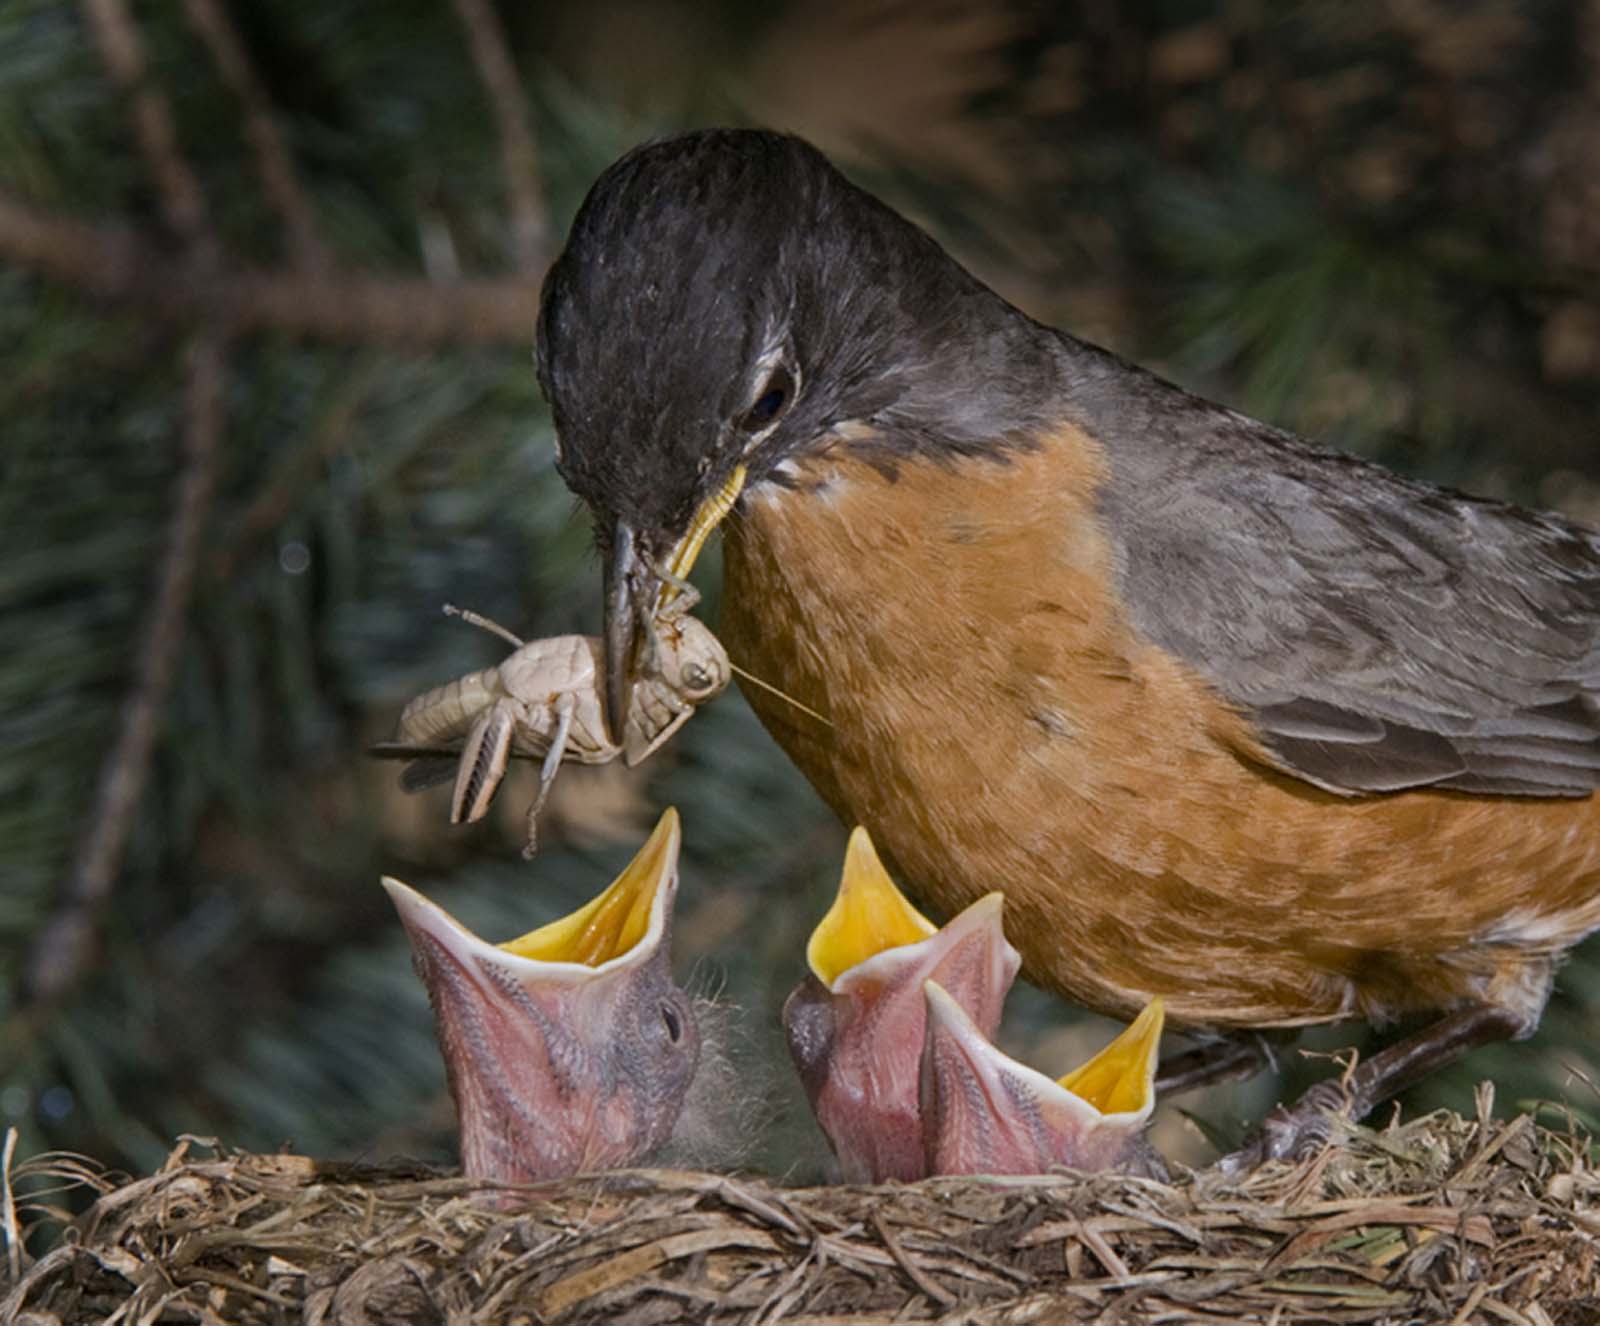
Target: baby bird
[855, 1024]
[571, 1048]
[985, 1113]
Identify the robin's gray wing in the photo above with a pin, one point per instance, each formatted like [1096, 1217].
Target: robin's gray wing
[1381, 633]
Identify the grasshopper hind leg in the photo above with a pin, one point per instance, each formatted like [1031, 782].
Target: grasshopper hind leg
[482, 765]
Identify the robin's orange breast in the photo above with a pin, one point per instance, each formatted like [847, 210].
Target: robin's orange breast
[996, 722]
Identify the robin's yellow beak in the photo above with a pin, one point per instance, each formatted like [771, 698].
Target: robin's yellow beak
[712, 512]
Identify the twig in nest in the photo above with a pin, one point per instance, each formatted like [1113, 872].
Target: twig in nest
[518, 155]
[273, 161]
[8, 1209]
[112, 263]
[920, 1278]
[1387, 1239]
[65, 944]
[183, 205]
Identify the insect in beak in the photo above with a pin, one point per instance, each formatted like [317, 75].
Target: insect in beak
[637, 591]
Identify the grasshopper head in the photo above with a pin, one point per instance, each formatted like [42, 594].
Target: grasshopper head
[690, 667]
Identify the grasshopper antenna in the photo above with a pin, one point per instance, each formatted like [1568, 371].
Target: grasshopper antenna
[782, 695]
[475, 619]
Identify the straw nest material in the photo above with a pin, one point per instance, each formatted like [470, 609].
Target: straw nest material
[1442, 1220]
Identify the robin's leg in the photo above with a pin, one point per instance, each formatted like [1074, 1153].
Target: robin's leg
[1230, 1058]
[1293, 1131]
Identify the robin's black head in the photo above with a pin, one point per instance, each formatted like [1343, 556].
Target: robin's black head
[726, 300]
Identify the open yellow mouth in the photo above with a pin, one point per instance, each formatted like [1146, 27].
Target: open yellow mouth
[616, 921]
[1117, 1080]
[711, 514]
[868, 916]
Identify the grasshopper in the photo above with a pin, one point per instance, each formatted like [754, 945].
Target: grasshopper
[544, 700]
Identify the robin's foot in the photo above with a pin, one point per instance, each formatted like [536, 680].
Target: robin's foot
[1293, 1132]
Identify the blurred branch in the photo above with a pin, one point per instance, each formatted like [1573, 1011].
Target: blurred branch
[517, 151]
[273, 161]
[286, 487]
[182, 202]
[113, 263]
[65, 946]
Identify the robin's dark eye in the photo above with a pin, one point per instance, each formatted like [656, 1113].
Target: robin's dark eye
[674, 1023]
[773, 401]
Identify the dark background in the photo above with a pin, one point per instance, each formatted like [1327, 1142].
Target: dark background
[266, 403]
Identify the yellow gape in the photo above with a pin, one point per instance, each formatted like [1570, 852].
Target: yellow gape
[611, 924]
[1117, 1080]
[868, 916]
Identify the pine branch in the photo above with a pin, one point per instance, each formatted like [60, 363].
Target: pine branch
[517, 151]
[65, 946]
[183, 204]
[273, 162]
[112, 263]
[277, 499]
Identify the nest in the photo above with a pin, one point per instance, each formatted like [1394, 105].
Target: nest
[1444, 1219]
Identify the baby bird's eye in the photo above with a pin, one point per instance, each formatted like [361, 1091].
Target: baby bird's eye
[772, 402]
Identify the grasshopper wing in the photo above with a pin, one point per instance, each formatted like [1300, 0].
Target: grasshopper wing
[427, 766]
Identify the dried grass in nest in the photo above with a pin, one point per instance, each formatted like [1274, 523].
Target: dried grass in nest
[1441, 1220]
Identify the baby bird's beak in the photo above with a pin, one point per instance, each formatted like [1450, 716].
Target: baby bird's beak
[985, 1113]
[855, 1025]
[570, 1048]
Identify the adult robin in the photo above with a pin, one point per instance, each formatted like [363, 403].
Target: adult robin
[1265, 731]
[570, 1048]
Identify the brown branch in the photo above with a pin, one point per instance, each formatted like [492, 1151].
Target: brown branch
[273, 161]
[183, 205]
[297, 468]
[114, 264]
[519, 156]
[66, 944]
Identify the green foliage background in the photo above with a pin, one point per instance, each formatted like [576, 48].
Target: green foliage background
[1371, 222]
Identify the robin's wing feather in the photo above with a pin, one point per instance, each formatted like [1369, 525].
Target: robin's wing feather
[1381, 633]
